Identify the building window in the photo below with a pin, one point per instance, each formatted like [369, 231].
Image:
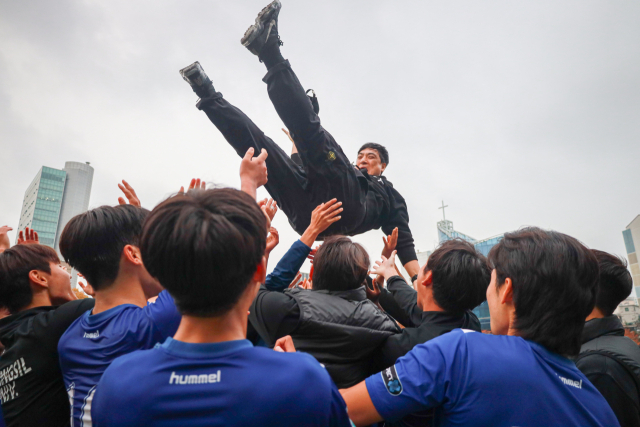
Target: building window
[626, 309]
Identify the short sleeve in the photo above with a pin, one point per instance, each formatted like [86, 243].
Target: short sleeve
[164, 314]
[424, 378]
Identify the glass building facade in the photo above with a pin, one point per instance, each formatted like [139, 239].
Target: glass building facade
[631, 237]
[447, 232]
[42, 203]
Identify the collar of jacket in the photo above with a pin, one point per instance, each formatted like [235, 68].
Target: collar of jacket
[595, 328]
[358, 294]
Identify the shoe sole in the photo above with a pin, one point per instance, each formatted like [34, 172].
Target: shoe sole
[264, 16]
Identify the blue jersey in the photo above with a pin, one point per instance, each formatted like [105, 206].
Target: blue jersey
[92, 342]
[220, 384]
[488, 380]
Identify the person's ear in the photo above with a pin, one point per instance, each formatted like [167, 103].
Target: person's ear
[38, 278]
[428, 279]
[261, 271]
[506, 291]
[383, 166]
[132, 254]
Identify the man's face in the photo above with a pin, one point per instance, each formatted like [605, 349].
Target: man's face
[497, 310]
[59, 282]
[369, 159]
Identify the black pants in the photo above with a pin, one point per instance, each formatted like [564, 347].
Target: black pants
[326, 172]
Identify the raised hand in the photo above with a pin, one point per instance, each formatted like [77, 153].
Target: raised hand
[321, 218]
[296, 280]
[129, 193]
[195, 184]
[386, 267]
[390, 243]
[312, 254]
[29, 237]
[373, 294]
[86, 287]
[269, 207]
[272, 240]
[5, 243]
[285, 345]
[253, 171]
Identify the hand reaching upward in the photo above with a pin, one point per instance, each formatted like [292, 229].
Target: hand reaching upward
[129, 193]
[195, 184]
[4, 239]
[390, 243]
[29, 237]
[321, 218]
[386, 267]
[253, 171]
[269, 207]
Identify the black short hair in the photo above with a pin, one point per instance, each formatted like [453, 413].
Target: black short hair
[15, 265]
[204, 247]
[460, 275]
[340, 265]
[554, 280]
[384, 154]
[614, 284]
[92, 242]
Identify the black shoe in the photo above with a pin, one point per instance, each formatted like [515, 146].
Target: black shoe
[265, 31]
[199, 81]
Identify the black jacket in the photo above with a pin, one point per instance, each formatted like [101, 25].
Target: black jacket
[611, 362]
[427, 325]
[341, 330]
[386, 208]
[31, 386]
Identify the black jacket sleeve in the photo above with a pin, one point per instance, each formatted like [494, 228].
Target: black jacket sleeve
[406, 297]
[274, 315]
[399, 217]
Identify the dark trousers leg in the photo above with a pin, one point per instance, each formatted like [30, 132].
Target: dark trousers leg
[287, 181]
[329, 171]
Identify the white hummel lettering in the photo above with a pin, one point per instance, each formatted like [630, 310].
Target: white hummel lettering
[195, 379]
[572, 383]
[92, 335]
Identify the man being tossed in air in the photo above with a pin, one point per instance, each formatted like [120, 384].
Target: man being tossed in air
[369, 200]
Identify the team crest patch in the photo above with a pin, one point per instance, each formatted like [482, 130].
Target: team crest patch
[331, 156]
[391, 381]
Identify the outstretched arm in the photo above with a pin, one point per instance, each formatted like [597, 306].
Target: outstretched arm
[359, 405]
[399, 218]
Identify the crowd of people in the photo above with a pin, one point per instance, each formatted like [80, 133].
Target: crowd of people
[184, 327]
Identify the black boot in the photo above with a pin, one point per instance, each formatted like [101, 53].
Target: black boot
[262, 37]
[199, 81]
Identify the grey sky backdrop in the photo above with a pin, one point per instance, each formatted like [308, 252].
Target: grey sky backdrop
[515, 113]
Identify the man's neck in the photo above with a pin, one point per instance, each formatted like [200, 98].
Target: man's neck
[427, 303]
[230, 326]
[595, 314]
[39, 300]
[124, 290]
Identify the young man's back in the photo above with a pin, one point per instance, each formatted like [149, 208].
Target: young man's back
[92, 342]
[217, 384]
[489, 380]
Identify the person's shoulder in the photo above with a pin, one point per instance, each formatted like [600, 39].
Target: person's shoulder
[292, 365]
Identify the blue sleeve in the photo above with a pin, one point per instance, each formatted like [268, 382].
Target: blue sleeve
[164, 314]
[426, 377]
[338, 410]
[287, 267]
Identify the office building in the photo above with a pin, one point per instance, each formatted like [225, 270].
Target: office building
[53, 198]
[77, 191]
[631, 236]
[447, 232]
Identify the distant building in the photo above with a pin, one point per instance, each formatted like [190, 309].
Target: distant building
[42, 203]
[628, 311]
[77, 191]
[447, 232]
[53, 198]
[631, 236]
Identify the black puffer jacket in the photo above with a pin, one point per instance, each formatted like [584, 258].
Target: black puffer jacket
[341, 330]
[611, 362]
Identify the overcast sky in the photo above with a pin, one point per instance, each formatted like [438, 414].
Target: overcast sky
[513, 113]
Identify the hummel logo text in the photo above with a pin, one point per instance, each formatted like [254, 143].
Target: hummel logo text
[572, 383]
[194, 379]
[92, 335]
